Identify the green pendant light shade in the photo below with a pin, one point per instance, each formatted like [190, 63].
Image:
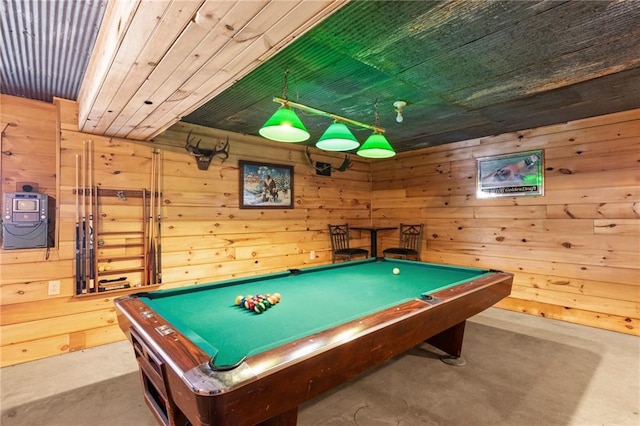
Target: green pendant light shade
[284, 126]
[376, 146]
[337, 137]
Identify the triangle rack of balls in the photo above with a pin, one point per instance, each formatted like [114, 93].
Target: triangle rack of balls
[258, 303]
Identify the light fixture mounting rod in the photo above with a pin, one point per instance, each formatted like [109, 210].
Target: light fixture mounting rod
[315, 111]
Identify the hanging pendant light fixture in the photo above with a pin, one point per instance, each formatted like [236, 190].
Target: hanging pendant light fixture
[284, 125]
[376, 145]
[337, 137]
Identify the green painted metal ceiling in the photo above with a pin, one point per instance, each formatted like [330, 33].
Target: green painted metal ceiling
[466, 69]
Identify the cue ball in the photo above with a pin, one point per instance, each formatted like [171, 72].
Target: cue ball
[396, 271]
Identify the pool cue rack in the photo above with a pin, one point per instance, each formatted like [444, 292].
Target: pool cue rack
[115, 247]
[121, 259]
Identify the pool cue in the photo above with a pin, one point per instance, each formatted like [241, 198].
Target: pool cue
[91, 261]
[154, 244]
[95, 239]
[152, 252]
[78, 257]
[159, 208]
[145, 242]
[83, 268]
[154, 177]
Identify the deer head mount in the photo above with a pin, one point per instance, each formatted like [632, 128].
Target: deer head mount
[325, 169]
[204, 156]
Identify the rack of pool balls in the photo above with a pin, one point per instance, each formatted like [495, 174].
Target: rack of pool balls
[258, 303]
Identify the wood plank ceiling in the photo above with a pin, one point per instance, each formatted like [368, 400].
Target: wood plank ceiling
[466, 69]
[156, 61]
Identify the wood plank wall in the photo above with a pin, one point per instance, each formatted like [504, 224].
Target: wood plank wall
[38, 127]
[205, 236]
[575, 251]
[579, 261]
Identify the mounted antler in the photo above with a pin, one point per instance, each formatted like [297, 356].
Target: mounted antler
[346, 164]
[204, 156]
[326, 168]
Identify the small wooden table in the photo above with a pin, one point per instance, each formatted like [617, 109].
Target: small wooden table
[373, 230]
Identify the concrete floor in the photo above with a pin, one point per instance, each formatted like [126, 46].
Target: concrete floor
[521, 370]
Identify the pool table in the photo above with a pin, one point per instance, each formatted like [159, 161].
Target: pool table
[206, 361]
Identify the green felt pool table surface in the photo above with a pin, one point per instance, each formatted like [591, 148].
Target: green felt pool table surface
[333, 323]
[313, 300]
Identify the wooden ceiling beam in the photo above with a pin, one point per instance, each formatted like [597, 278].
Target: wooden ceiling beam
[155, 62]
[151, 34]
[115, 22]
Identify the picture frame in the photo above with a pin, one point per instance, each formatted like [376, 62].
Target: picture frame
[265, 185]
[518, 174]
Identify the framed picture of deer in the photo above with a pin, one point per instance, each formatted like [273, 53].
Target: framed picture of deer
[265, 185]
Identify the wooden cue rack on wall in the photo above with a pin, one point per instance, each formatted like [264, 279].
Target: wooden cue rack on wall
[120, 253]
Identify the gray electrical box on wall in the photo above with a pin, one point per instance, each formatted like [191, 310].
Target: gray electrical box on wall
[24, 220]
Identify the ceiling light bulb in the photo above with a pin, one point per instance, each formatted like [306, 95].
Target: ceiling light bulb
[399, 105]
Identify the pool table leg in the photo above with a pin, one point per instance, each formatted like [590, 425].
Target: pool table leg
[450, 341]
[288, 418]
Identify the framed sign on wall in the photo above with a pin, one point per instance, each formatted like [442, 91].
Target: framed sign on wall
[511, 175]
[265, 185]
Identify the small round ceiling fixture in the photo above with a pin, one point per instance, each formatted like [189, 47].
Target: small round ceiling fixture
[399, 106]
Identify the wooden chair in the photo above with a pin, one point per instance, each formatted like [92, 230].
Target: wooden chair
[410, 242]
[340, 244]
